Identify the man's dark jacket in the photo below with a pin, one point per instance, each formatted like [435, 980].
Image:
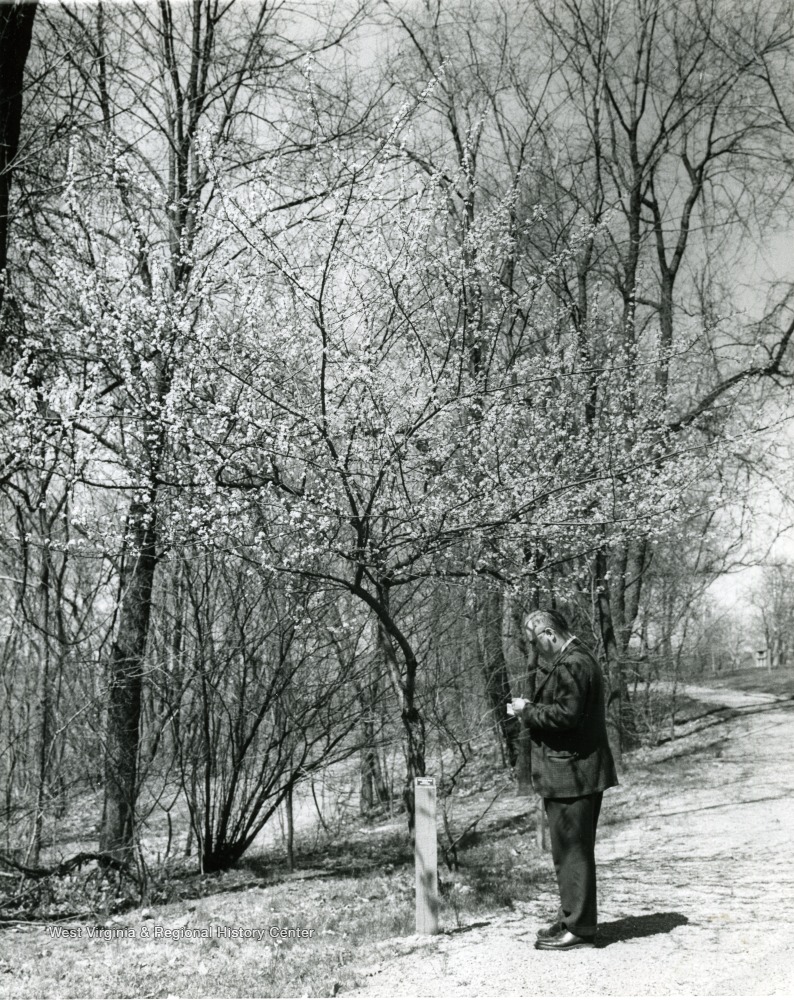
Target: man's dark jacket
[567, 726]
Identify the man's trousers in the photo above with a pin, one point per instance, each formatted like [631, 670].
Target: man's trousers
[572, 830]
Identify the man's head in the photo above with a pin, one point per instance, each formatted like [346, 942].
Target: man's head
[547, 631]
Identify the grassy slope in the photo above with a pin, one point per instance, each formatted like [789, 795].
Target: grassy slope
[357, 899]
[780, 682]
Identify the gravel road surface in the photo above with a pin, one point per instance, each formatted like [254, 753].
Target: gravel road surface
[696, 882]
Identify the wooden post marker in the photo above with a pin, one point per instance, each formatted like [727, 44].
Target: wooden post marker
[426, 854]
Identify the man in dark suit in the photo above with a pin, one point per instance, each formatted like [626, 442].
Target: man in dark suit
[571, 766]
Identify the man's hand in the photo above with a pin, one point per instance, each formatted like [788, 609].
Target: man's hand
[516, 705]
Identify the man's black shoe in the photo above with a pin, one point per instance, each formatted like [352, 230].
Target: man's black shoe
[564, 941]
[549, 932]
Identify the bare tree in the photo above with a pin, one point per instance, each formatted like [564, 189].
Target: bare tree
[145, 93]
[773, 607]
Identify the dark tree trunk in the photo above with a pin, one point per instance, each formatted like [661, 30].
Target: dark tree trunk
[490, 609]
[616, 683]
[126, 685]
[529, 661]
[290, 817]
[43, 708]
[16, 29]
[627, 564]
[374, 790]
[412, 721]
[524, 760]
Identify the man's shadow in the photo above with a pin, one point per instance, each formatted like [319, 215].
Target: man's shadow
[638, 927]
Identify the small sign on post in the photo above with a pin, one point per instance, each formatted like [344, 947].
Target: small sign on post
[426, 854]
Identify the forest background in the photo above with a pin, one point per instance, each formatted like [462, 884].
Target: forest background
[334, 338]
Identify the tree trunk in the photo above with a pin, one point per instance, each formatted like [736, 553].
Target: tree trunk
[43, 708]
[529, 659]
[16, 30]
[616, 682]
[524, 760]
[412, 721]
[627, 565]
[290, 816]
[126, 685]
[628, 568]
[374, 790]
[489, 613]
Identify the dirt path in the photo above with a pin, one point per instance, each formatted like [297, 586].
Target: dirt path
[696, 883]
